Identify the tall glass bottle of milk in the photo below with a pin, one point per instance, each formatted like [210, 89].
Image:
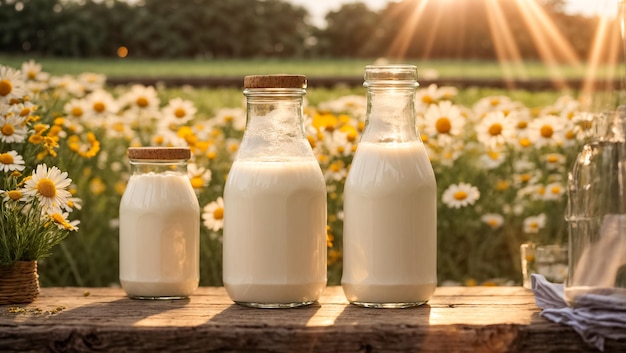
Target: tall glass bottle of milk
[390, 202]
[159, 226]
[274, 253]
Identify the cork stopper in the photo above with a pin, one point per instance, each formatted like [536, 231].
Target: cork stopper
[159, 153]
[274, 81]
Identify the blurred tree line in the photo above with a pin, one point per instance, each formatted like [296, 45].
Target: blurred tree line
[273, 28]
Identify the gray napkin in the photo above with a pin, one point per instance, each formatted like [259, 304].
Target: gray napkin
[595, 317]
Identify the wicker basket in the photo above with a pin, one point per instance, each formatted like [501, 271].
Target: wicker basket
[19, 283]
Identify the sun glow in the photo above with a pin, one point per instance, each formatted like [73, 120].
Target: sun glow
[552, 47]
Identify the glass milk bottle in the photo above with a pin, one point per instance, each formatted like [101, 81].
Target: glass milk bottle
[159, 226]
[274, 253]
[596, 213]
[390, 200]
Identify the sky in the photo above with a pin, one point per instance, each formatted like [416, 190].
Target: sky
[319, 8]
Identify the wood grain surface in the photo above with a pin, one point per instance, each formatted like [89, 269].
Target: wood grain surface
[457, 319]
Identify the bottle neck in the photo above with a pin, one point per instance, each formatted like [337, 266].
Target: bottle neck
[390, 114]
[274, 125]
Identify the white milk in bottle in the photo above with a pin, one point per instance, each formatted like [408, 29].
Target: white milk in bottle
[274, 253]
[159, 226]
[390, 201]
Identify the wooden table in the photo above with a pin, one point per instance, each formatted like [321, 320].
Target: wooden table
[457, 319]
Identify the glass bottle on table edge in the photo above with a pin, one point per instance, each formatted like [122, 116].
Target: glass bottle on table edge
[596, 212]
[390, 200]
[159, 226]
[274, 252]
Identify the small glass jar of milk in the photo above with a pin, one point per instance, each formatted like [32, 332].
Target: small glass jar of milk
[390, 200]
[274, 253]
[159, 226]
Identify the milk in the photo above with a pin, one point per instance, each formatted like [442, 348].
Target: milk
[390, 225]
[275, 232]
[159, 236]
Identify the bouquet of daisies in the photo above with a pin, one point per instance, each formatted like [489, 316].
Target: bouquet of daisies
[35, 197]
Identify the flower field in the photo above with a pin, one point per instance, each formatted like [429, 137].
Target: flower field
[500, 158]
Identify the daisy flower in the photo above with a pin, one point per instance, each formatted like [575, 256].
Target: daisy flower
[547, 130]
[533, 224]
[443, 120]
[141, 98]
[11, 84]
[495, 130]
[554, 192]
[493, 220]
[178, 111]
[31, 71]
[460, 195]
[49, 187]
[492, 159]
[336, 171]
[101, 104]
[92, 81]
[213, 215]
[76, 108]
[555, 161]
[12, 129]
[427, 96]
[233, 116]
[11, 161]
[200, 177]
[494, 103]
[61, 221]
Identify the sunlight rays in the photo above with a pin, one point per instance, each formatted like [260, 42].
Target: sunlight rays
[400, 44]
[507, 51]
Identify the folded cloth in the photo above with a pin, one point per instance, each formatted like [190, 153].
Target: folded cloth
[595, 317]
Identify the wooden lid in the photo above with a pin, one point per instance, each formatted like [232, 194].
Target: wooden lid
[274, 81]
[164, 153]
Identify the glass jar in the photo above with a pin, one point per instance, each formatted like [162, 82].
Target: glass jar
[274, 253]
[596, 213]
[390, 200]
[159, 226]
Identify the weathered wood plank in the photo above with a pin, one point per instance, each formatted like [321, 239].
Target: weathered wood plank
[457, 319]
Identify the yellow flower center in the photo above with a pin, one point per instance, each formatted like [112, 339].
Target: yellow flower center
[494, 102]
[546, 131]
[5, 88]
[180, 113]
[32, 74]
[197, 182]
[553, 159]
[427, 99]
[525, 178]
[495, 129]
[6, 158]
[24, 112]
[460, 195]
[77, 112]
[524, 142]
[142, 102]
[522, 125]
[443, 125]
[556, 190]
[99, 107]
[14, 195]
[46, 188]
[58, 218]
[218, 213]
[502, 185]
[570, 135]
[7, 129]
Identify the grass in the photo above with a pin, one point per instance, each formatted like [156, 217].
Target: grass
[130, 67]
